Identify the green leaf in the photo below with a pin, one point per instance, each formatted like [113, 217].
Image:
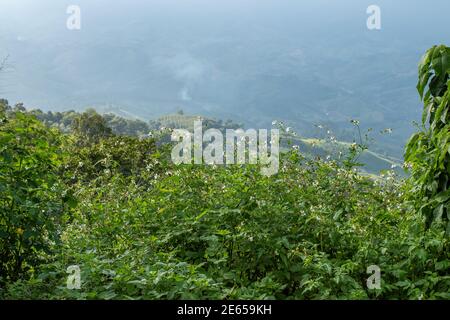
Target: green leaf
[201, 215]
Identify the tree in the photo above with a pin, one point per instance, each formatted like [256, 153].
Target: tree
[91, 126]
[4, 106]
[19, 107]
[428, 151]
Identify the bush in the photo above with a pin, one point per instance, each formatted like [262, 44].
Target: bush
[32, 200]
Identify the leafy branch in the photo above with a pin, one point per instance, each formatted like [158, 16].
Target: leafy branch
[428, 151]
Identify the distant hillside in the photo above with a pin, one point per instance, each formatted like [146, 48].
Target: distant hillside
[373, 162]
[182, 121]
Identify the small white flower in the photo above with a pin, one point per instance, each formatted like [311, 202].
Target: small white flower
[407, 165]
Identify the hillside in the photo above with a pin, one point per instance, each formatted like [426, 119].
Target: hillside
[373, 163]
[224, 159]
[136, 226]
[94, 207]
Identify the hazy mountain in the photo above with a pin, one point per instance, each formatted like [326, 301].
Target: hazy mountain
[305, 62]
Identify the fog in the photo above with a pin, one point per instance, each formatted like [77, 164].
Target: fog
[305, 62]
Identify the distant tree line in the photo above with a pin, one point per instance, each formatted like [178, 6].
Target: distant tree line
[93, 123]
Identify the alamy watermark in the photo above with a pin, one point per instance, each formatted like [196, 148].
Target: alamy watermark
[238, 147]
[74, 20]
[74, 278]
[374, 281]
[374, 19]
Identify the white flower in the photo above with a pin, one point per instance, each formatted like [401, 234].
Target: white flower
[407, 165]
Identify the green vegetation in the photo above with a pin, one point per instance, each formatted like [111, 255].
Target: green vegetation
[140, 227]
[371, 162]
[64, 121]
[429, 150]
[32, 197]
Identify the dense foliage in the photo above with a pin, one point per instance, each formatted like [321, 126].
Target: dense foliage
[429, 150]
[140, 227]
[31, 205]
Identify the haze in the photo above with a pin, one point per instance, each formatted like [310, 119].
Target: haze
[304, 62]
